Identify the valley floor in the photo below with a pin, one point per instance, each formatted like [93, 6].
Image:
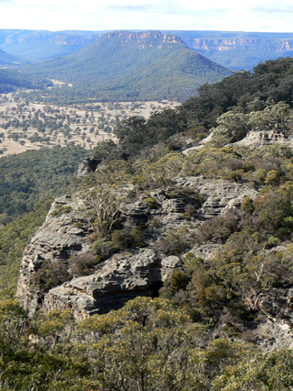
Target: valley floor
[28, 125]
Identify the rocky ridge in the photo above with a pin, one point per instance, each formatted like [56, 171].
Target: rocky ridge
[224, 44]
[67, 232]
[145, 39]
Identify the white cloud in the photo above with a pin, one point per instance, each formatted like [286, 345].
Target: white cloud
[249, 15]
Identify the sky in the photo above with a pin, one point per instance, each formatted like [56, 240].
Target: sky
[98, 15]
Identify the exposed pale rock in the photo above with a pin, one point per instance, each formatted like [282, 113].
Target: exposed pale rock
[66, 232]
[205, 251]
[220, 195]
[121, 278]
[87, 166]
[169, 264]
[62, 235]
[260, 138]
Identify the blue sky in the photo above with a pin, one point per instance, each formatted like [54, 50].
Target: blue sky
[225, 15]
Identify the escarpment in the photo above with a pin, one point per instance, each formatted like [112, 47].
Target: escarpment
[50, 276]
[63, 234]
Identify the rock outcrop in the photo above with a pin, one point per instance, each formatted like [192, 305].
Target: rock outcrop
[260, 138]
[63, 234]
[141, 271]
[87, 166]
[121, 278]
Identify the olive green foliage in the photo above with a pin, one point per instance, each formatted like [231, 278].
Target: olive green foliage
[241, 273]
[218, 229]
[13, 237]
[175, 243]
[105, 150]
[49, 275]
[231, 127]
[243, 92]
[270, 165]
[29, 181]
[82, 264]
[24, 177]
[147, 345]
[61, 210]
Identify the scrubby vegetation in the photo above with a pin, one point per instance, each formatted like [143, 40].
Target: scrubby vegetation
[147, 345]
[215, 324]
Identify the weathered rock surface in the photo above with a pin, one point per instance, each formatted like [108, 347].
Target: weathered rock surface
[260, 138]
[63, 234]
[121, 278]
[87, 166]
[253, 138]
[66, 232]
[205, 251]
[220, 195]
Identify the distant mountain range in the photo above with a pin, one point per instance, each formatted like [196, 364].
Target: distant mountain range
[234, 50]
[238, 50]
[131, 66]
[39, 45]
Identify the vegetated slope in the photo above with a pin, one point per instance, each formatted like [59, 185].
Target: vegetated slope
[234, 50]
[11, 80]
[8, 59]
[223, 319]
[40, 45]
[175, 77]
[128, 65]
[269, 82]
[29, 181]
[26, 176]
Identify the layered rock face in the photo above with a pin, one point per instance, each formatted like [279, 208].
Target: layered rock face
[225, 44]
[63, 234]
[140, 271]
[121, 278]
[146, 39]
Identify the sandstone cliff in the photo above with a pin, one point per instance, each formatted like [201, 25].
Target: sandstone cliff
[67, 232]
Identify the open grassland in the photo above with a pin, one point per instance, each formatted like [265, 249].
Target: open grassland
[26, 125]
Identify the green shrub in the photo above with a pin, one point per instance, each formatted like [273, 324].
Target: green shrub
[151, 202]
[104, 248]
[49, 275]
[60, 210]
[176, 242]
[128, 237]
[83, 264]
[178, 281]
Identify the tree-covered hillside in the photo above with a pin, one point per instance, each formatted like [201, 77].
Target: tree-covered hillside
[8, 59]
[131, 66]
[238, 50]
[29, 183]
[222, 319]
[10, 80]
